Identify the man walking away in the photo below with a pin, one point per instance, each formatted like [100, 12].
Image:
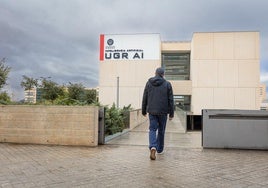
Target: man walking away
[158, 102]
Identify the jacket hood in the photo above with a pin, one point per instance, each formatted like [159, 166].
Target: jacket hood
[157, 80]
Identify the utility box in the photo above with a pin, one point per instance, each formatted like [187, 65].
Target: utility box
[239, 129]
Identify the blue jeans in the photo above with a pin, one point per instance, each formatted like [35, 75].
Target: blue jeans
[157, 129]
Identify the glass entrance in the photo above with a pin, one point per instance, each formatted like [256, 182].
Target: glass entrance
[182, 102]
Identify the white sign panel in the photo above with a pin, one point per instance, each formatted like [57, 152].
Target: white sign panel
[130, 47]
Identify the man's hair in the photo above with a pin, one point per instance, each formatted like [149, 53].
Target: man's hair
[160, 71]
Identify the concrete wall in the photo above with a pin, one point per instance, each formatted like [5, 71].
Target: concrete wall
[225, 71]
[133, 76]
[176, 46]
[136, 118]
[181, 87]
[60, 125]
[240, 129]
[262, 92]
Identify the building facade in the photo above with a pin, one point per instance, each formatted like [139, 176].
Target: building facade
[263, 92]
[30, 95]
[219, 70]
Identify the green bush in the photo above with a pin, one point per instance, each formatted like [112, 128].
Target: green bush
[115, 119]
[4, 98]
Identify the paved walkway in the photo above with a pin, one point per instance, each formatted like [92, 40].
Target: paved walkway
[124, 162]
[175, 136]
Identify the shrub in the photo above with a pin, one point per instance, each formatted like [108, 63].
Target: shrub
[4, 98]
[115, 119]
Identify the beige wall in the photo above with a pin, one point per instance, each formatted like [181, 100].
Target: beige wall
[60, 125]
[175, 46]
[225, 71]
[136, 118]
[181, 87]
[263, 92]
[133, 76]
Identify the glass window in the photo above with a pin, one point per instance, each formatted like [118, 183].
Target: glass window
[177, 65]
[183, 102]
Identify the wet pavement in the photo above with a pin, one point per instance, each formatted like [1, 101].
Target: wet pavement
[124, 162]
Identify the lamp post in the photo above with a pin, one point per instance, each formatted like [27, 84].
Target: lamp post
[117, 92]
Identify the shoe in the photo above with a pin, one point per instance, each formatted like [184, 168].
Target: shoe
[152, 154]
[161, 153]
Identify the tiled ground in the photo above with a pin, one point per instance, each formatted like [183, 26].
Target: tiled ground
[129, 166]
[124, 162]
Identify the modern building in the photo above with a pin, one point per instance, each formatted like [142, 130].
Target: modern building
[263, 92]
[30, 95]
[264, 103]
[215, 70]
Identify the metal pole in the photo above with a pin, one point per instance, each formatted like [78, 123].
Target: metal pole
[117, 93]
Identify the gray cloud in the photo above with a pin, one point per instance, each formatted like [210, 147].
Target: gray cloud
[60, 38]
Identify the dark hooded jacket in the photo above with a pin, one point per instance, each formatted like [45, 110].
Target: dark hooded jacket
[158, 97]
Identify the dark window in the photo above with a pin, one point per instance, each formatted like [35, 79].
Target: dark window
[177, 66]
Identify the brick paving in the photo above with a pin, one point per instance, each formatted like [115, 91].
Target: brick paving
[124, 162]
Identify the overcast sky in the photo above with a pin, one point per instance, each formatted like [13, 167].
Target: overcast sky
[60, 38]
